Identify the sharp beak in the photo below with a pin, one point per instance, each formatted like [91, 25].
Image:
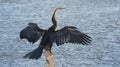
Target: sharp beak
[62, 8]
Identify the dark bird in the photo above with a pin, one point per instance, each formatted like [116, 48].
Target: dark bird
[68, 34]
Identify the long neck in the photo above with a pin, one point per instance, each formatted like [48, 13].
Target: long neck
[54, 19]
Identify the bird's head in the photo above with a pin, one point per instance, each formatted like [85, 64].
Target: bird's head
[54, 17]
[59, 9]
[56, 10]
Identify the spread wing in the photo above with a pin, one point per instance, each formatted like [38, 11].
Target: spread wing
[72, 35]
[32, 33]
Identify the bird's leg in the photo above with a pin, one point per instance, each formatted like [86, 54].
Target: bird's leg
[50, 62]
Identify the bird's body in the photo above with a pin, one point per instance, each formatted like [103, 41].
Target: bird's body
[66, 34]
[46, 41]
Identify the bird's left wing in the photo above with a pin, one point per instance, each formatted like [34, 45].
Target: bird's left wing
[72, 35]
[32, 33]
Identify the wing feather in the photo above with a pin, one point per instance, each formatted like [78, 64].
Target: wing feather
[72, 35]
[32, 33]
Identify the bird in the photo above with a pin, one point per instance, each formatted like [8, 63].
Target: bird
[67, 34]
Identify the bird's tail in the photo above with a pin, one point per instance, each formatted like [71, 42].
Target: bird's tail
[35, 54]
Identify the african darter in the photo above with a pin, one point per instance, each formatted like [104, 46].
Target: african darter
[68, 34]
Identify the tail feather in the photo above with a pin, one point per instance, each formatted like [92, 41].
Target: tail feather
[35, 54]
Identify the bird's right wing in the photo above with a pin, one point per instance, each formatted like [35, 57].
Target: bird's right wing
[72, 35]
[32, 33]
